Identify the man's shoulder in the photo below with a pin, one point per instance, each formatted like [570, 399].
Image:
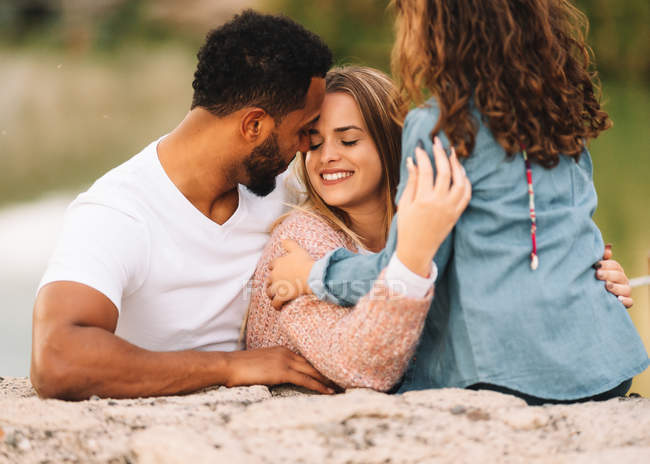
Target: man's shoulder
[123, 188]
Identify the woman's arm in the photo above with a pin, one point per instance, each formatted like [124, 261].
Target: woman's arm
[367, 346]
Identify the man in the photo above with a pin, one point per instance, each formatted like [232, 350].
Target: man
[144, 293]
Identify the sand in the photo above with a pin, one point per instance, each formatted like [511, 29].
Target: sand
[287, 425]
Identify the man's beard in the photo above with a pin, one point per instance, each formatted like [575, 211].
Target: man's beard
[262, 165]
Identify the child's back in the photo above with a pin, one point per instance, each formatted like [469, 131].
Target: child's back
[554, 332]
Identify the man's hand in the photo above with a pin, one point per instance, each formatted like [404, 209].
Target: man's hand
[274, 366]
[616, 282]
[289, 274]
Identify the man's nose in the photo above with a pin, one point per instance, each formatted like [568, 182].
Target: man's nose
[303, 145]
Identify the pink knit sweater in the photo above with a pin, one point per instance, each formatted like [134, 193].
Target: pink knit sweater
[369, 345]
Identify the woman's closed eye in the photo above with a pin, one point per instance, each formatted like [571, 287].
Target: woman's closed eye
[314, 145]
[315, 140]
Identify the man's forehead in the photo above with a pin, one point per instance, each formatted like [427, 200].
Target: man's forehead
[313, 120]
[301, 117]
[310, 116]
[315, 97]
[317, 89]
[309, 113]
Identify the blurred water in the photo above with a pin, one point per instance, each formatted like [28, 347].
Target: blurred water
[28, 234]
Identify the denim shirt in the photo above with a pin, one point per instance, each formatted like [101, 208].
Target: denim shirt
[554, 332]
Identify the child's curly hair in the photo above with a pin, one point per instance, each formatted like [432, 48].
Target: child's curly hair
[524, 64]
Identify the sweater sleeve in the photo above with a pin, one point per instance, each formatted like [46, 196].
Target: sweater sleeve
[369, 345]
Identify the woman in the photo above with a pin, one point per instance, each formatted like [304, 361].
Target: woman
[350, 177]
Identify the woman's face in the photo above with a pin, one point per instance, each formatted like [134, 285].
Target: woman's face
[343, 164]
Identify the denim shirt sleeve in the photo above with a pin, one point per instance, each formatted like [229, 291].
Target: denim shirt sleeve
[343, 277]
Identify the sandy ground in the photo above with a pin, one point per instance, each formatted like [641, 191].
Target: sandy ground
[285, 425]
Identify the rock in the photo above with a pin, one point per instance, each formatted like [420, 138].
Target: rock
[24, 444]
[12, 438]
[91, 445]
[526, 418]
[253, 424]
[291, 390]
[17, 440]
[477, 415]
[94, 398]
[165, 445]
[458, 409]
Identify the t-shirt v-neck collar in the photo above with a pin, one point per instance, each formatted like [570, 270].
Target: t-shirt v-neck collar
[183, 206]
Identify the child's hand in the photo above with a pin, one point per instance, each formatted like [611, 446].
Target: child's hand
[427, 211]
[614, 276]
[289, 274]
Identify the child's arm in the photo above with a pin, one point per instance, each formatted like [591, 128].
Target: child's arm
[343, 277]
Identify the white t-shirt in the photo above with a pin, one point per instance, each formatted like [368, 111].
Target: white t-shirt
[178, 279]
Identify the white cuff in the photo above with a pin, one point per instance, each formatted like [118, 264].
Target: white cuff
[402, 280]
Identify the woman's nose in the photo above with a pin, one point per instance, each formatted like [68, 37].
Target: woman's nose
[329, 153]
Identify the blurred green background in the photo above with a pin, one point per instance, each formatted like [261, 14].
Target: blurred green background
[87, 83]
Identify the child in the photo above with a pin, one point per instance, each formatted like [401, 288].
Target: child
[517, 308]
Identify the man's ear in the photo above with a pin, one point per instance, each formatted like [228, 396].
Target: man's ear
[256, 124]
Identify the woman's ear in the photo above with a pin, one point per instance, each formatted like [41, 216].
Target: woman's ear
[255, 124]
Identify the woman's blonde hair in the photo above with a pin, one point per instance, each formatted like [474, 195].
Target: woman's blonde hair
[382, 111]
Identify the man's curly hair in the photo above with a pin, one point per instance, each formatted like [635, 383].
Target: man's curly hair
[258, 60]
[523, 63]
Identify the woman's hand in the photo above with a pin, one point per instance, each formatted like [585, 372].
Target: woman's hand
[616, 282]
[288, 275]
[428, 211]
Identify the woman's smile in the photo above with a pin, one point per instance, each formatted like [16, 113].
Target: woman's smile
[335, 176]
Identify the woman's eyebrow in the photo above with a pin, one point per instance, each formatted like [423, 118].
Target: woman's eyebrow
[346, 128]
[313, 131]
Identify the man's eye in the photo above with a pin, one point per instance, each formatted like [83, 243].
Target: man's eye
[349, 143]
[314, 146]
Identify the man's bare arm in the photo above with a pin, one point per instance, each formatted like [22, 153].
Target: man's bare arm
[75, 354]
